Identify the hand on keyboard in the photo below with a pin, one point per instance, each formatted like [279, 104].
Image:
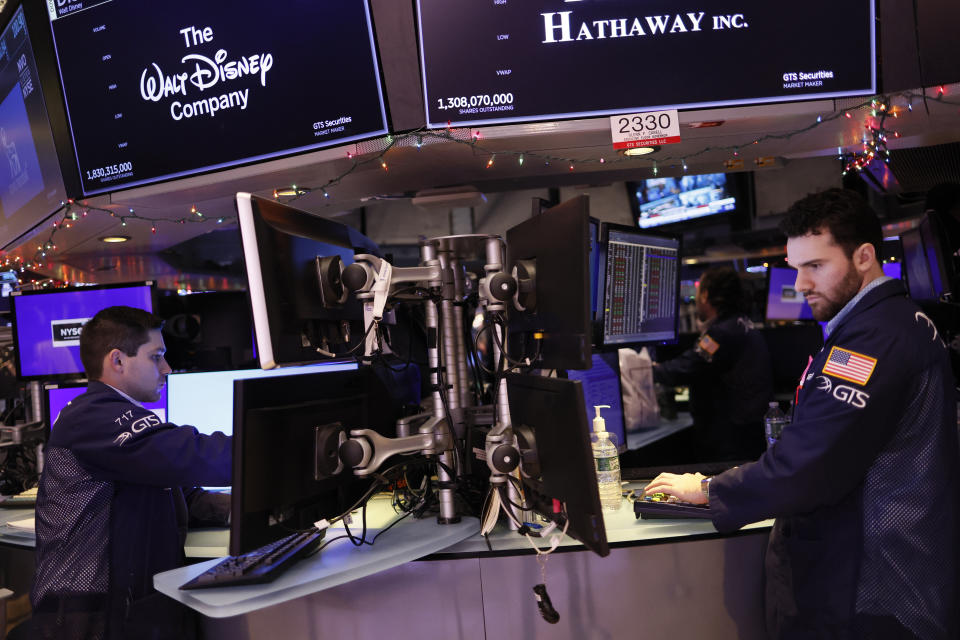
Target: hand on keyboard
[686, 487]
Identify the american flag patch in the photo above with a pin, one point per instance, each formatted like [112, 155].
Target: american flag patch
[849, 365]
[708, 344]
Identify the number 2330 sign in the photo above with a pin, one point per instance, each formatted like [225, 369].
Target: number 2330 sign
[645, 129]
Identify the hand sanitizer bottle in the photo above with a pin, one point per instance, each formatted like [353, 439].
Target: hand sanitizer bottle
[608, 463]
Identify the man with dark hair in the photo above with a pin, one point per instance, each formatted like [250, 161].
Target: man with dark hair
[728, 371]
[111, 510]
[863, 482]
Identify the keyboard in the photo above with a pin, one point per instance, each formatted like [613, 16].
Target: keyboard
[650, 508]
[260, 565]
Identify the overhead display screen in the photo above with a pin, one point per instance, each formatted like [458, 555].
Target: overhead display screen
[188, 87]
[496, 61]
[47, 325]
[31, 186]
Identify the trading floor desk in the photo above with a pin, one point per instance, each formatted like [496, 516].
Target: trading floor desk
[662, 577]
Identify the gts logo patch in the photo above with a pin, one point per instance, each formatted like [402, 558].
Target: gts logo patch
[844, 393]
[137, 426]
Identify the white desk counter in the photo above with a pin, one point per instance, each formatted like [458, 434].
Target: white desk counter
[664, 569]
[409, 540]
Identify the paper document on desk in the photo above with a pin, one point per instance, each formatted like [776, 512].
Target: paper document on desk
[26, 525]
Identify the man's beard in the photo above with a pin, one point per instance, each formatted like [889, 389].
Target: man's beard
[831, 302]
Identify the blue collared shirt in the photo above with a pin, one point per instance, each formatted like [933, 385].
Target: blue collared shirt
[837, 319]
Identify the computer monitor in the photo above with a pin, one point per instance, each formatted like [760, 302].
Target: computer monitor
[594, 266]
[551, 255]
[939, 255]
[207, 331]
[549, 415]
[8, 284]
[688, 291]
[641, 286]
[281, 248]
[681, 199]
[274, 445]
[205, 399]
[59, 395]
[784, 302]
[47, 325]
[601, 385]
[916, 268]
[33, 183]
[220, 85]
[893, 270]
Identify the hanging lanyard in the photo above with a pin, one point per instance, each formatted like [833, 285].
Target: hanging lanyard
[803, 376]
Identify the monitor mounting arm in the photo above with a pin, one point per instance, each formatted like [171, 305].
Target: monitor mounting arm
[373, 280]
[363, 451]
[11, 435]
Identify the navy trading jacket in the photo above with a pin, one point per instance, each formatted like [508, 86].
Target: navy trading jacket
[731, 381]
[110, 509]
[863, 482]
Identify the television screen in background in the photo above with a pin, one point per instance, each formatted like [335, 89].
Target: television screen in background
[784, 302]
[688, 291]
[893, 270]
[497, 62]
[31, 185]
[220, 84]
[47, 325]
[669, 200]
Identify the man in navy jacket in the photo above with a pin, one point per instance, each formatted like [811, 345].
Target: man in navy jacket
[863, 483]
[110, 508]
[728, 370]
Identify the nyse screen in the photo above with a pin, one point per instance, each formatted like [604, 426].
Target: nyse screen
[31, 186]
[494, 61]
[160, 91]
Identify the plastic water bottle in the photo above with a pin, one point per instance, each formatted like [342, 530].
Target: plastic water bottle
[773, 423]
[607, 462]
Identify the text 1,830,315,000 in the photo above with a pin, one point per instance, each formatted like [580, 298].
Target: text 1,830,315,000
[110, 170]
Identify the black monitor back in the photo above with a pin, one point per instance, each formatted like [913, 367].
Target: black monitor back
[550, 414]
[274, 490]
[281, 247]
[559, 241]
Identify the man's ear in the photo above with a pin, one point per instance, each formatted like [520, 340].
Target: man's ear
[114, 361]
[864, 257]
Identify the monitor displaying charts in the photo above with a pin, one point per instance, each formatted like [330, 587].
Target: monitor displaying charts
[641, 286]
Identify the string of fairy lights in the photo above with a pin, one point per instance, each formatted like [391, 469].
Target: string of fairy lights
[874, 146]
[71, 213]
